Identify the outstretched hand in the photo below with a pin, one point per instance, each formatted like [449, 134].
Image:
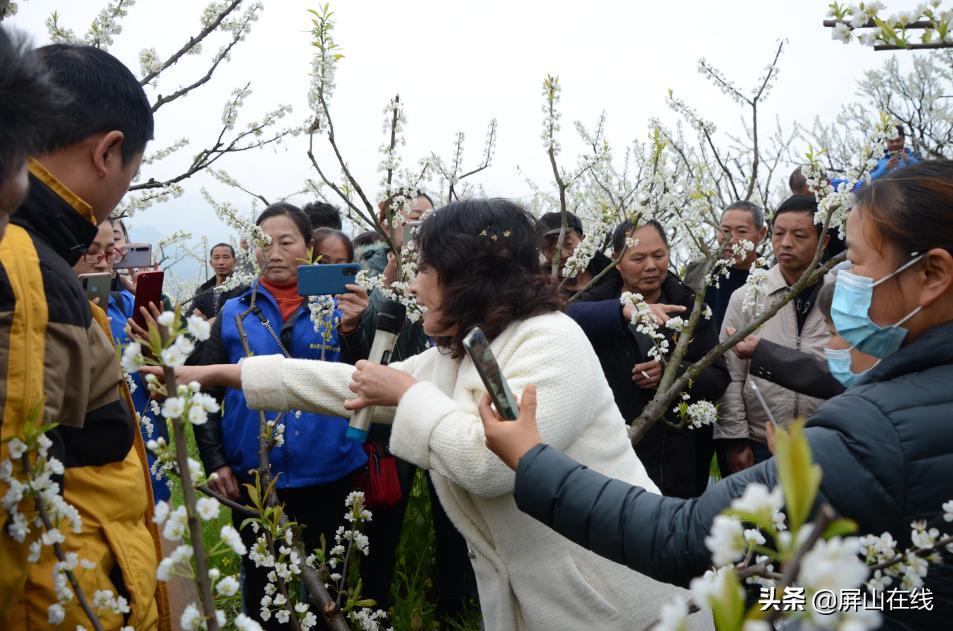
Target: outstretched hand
[510, 440]
[377, 385]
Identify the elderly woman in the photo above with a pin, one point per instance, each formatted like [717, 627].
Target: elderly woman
[479, 266]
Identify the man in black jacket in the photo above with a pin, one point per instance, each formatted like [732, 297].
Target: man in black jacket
[548, 227]
[676, 459]
[208, 301]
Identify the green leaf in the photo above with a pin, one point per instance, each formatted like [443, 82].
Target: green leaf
[800, 478]
[729, 610]
[840, 527]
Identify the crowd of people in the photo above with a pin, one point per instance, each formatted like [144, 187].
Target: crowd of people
[537, 519]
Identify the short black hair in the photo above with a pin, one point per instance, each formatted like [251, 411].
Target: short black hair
[28, 101]
[757, 214]
[900, 131]
[367, 238]
[104, 95]
[427, 197]
[323, 215]
[624, 229]
[292, 212]
[222, 245]
[799, 204]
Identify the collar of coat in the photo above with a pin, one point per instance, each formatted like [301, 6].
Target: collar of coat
[55, 214]
[933, 348]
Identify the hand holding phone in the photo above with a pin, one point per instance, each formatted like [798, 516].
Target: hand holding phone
[478, 349]
[97, 286]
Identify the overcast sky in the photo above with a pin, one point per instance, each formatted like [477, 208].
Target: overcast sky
[458, 64]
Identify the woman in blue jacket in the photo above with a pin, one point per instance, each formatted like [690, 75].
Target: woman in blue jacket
[314, 464]
[100, 258]
[885, 446]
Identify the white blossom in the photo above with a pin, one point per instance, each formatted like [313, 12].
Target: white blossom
[726, 541]
[233, 540]
[673, 616]
[173, 407]
[172, 357]
[199, 328]
[227, 586]
[832, 564]
[191, 618]
[207, 508]
[132, 358]
[55, 614]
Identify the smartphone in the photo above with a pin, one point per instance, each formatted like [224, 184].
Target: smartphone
[764, 404]
[97, 286]
[137, 255]
[148, 289]
[409, 231]
[326, 280]
[478, 348]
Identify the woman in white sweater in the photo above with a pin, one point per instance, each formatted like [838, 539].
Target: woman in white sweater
[479, 267]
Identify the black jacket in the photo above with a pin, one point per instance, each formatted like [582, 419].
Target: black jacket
[209, 301]
[794, 370]
[667, 453]
[885, 448]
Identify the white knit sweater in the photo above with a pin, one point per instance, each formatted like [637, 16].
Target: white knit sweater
[528, 576]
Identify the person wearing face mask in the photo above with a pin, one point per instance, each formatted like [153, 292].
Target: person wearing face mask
[805, 373]
[885, 447]
[314, 465]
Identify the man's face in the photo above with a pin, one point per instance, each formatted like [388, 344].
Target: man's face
[548, 246]
[794, 239]
[738, 225]
[895, 144]
[645, 265]
[12, 193]
[222, 261]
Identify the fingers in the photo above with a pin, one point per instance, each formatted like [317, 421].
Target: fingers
[769, 436]
[487, 413]
[358, 403]
[528, 403]
[730, 330]
[673, 308]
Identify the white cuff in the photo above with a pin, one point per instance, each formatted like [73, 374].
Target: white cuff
[419, 411]
[262, 383]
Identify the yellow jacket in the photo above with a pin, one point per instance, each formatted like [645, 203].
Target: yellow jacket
[70, 367]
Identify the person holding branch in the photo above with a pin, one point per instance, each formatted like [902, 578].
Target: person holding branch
[885, 446]
[479, 266]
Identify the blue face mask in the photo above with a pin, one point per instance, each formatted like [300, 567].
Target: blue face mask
[852, 296]
[838, 361]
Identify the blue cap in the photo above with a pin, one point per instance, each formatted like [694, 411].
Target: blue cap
[355, 433]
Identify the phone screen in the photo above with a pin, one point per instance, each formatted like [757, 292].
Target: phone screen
[478, 349]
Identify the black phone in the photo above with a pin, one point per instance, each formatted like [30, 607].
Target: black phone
[97, 286]
[478, 349]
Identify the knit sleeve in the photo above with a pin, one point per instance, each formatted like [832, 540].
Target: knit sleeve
[435, 431]
[273, 382]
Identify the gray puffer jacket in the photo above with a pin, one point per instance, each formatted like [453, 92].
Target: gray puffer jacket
[885, 448]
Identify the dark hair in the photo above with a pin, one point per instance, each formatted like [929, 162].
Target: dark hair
[900, 131]
[323, 215]
[29, 102]
[222, 245]
[367, 238]
[320, 235]
[757, 213]
[797, 182]
[799, 204]
[104, 94]
[912, 207]
[292, 212]
[122, 227]
[825, 299]
[626, 228]
[485, 255]
[427, 197]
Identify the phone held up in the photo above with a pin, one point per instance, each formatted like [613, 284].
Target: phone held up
[478, 349]
[148, 290]
[97, 286]
[326, 280]
[138, 255]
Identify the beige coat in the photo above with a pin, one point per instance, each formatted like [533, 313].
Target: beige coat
[740, 413]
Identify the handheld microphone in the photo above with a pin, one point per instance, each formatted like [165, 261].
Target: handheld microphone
[390, 320]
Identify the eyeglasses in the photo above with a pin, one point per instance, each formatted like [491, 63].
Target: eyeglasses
[114, 255]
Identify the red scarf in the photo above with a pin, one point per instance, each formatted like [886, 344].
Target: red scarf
[287, 298]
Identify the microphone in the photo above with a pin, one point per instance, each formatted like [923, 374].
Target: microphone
[390, 320]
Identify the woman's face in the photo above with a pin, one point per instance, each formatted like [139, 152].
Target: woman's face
[426, 287]
[99, 256]
[872, 257]
[288, 249]
[332, 250]
[645, 266]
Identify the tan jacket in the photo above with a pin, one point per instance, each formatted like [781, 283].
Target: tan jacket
[740, 413]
